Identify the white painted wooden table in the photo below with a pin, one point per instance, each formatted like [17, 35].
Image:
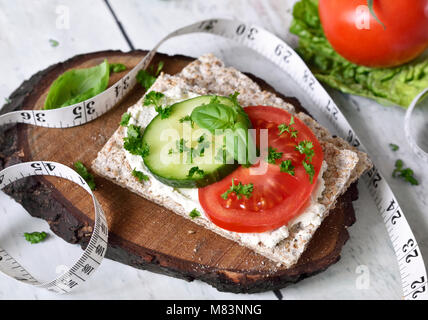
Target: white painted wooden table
[82, 26]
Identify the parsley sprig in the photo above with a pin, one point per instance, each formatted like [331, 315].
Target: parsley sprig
[287, 167]
[273, 155]
[240, 190]
[84, 173]
[404, 173]
[154, 98]
[288, 128]
[309, 168]
[35, 237]
[194, 214]
[203, 143]
[307, 148]
[181, 145]
[147, 77]
[195, 170]
[140, 175]
[187, 119]
[394, 147]
[133, 142]
[125, 119]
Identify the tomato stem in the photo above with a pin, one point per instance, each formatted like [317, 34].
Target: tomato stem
[370, 5]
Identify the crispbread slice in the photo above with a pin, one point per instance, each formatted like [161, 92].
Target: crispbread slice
[207, 75]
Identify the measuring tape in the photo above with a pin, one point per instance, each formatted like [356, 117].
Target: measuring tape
[95, 251]
[412, 267]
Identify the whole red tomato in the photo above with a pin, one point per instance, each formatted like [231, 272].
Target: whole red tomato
[356, 35]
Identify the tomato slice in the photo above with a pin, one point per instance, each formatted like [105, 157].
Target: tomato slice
[277, 196]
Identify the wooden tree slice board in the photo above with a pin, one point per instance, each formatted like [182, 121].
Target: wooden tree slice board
[143, 234]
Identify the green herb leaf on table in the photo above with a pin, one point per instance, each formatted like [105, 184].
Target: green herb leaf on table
[140, 175]
[396, 86]
[394, 147]
[406, 174]
[240, 190]
[77, 85]
[35, 237]
[287, 167]
[147, 78]
[125, 119]
[84, 173]
[194, 214]
[133, 142]
[117, 67]
[53, 43]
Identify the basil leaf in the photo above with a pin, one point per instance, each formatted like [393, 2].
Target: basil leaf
[77, 85]
[233, 122]
[214, 116]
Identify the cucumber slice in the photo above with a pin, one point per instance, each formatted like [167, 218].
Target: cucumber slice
[182, 154]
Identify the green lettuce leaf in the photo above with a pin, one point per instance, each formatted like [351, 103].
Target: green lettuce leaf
[389, 86]
[77, 85]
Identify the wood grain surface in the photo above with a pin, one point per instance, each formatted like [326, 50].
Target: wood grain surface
[143, 234]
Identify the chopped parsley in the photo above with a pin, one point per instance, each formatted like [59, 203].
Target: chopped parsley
[181, 146]
[195, 170]
[288, 128]
[394, 147]
[287, 167]
[309, 170]
[7, 100]
[125, 119]
[147, 78]
[404, 173]
[134, 142]
[84, 173]
[306, 148]
[240, 190]
[140, 176]
[53, 43]
[202, 145]
[194, 214]
[117, 67]
[35, 237]
[187, 119]
[273, 155]
[155, 98]
[221, 154]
